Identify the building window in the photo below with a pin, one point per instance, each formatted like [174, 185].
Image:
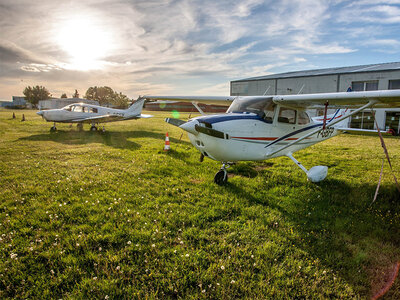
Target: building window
[392, 121]
[358, 86]
[362, 120]
[394, 84]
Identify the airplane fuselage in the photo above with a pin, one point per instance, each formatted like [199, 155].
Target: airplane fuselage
[249, 137]
[77, 113]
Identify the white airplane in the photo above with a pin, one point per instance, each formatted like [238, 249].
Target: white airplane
[86, 113]
[263, 127]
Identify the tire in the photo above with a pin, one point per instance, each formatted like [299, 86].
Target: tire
[221, 177]
[93, 128]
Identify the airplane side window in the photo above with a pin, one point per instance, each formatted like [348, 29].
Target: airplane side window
[78, 108]
[94, 110]
[269, 110]
[72, 108]
[287, 115]
[303, 118]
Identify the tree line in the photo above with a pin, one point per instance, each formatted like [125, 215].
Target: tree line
[103, 94]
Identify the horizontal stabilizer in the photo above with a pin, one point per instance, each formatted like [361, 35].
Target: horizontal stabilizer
[146, 116]
[175, 122]
[361, 130]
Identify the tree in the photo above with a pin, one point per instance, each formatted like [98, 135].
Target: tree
[64, 95]
[121, 100]
[107, 96]
[76, 94]
[35, 94]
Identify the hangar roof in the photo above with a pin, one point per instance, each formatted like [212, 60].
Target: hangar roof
[330, 71]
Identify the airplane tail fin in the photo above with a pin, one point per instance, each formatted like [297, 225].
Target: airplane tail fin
[339, 113]
[344, 123]
[135, 108]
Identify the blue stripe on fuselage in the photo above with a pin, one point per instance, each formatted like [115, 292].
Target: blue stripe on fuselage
[230, 117]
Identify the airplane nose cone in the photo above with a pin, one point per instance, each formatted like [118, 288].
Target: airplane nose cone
[190, 127]
[40, 113]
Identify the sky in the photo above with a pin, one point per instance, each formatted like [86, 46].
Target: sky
[185, 47]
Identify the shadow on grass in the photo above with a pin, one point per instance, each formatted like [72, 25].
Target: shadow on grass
[116, 139]
[337, 225]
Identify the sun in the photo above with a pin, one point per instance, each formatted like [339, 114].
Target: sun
[85, 41]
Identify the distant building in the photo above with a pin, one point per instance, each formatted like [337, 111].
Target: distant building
[61, 102]
[183, 107]
[17, 102]
[358, 78]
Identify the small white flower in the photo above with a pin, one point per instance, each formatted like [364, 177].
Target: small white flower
[153, 245]
[187, 255]
[233, 281]
[94, 278]
[118, 268]
[129, 242]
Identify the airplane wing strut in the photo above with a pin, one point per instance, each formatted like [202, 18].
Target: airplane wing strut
[318, 129]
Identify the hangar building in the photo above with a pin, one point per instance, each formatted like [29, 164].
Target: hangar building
[359, 78]
[61, 102]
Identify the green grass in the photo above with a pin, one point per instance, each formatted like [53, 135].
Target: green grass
[89, 215]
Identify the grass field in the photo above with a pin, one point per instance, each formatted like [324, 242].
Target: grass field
[90, 215]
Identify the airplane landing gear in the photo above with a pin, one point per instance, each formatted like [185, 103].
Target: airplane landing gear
[79, 126]
[93, 128]
[221, 177]
[53, 128]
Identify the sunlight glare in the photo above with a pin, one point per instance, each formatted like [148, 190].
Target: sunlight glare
[85, 42]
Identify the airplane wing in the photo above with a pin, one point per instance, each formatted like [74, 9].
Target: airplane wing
[383, 98]
[98, 119]
[221, 100]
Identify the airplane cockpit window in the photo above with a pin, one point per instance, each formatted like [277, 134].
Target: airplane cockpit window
[264, 107]
[287, 115]
[68, 108]
[303, 118]
[77, 108]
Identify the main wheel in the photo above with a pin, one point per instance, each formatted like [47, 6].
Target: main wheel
[93, 128]
[221, 177]
[53, 129]
[79, 126]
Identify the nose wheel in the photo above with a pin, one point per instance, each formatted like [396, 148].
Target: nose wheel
[221, 177]
[53, 128]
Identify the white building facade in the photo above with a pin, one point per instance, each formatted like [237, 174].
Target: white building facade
[61, 102]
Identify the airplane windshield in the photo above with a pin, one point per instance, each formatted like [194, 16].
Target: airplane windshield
[264, 107]
[68, 108]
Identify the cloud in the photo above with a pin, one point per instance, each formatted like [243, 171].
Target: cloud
[183, 45]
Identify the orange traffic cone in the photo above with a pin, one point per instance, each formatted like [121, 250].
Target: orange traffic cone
[167, 147]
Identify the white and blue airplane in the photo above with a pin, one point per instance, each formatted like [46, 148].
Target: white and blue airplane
[93, 114]
[262, 127]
